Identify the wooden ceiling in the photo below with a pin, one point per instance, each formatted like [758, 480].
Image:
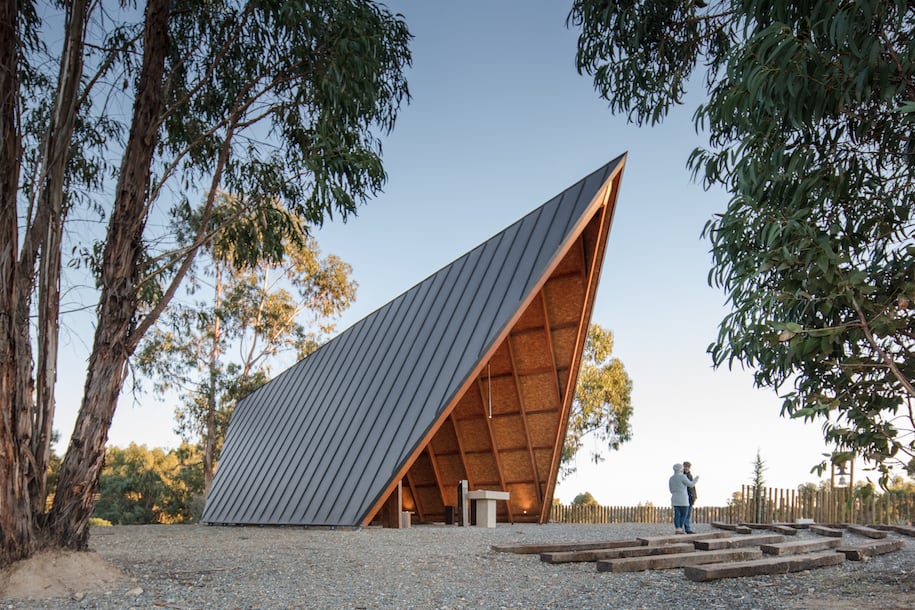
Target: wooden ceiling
[505, 430]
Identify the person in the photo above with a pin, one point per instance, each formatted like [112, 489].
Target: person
[691, 492]
[679, 498]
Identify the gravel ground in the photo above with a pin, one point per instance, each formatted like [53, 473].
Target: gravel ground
[437, 566]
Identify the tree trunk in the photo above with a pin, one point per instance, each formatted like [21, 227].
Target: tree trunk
[15, 516]
[68, 522]
[209, 450]
[46, 233]
[48, 336]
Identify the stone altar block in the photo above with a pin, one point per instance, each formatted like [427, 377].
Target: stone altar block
[486, 505]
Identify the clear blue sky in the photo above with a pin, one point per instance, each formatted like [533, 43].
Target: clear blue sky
[500, 122]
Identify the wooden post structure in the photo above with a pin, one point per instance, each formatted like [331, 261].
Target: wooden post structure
[393, 507]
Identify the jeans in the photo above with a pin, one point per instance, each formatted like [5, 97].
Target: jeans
[687, 524]
[681, 514]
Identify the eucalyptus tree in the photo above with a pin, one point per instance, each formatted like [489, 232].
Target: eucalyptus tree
[602, 406]
[143, 112]
[809, 110]
[211, 351]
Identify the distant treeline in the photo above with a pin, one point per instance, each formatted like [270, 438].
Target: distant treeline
[140, 485]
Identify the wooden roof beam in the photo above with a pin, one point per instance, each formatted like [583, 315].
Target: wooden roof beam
[527, 431]
[460, 444]
[495, 448]
[438, 474]
[416, 501]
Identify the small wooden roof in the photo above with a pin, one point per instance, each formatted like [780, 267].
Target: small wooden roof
[470, 375]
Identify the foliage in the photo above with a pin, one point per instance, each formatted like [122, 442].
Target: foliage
[759, 486]
[134, 117]
[213, 352]
[54, 461]
[809, 112]
[808, 488]
[901, 485]
[759, 468]
[140, 485]
[736, 499]
[602, 404]
[896, 486]
[584, 499]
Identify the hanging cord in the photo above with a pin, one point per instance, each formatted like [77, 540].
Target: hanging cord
[489, 385]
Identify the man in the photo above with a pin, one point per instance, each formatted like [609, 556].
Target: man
[691, 492]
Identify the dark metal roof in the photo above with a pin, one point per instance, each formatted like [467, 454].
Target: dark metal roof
[321, 443]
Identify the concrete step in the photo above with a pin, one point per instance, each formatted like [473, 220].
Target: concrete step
[860, 552]
[738, 542]
[732, 527]
[531, 549]
[758, 567]
[678, 560]
[823, 530]
[796, 547]
[678, 538]
[632, 551]
[870, 532]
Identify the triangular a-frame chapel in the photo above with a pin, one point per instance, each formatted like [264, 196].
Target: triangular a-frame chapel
[469, 375]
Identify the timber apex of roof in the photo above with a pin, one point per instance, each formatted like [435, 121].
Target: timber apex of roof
[399, 398]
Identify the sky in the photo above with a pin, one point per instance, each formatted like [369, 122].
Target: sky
[500, 121]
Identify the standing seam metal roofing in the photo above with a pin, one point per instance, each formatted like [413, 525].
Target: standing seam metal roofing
[321, 442]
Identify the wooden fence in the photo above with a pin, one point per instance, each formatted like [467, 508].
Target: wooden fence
[781, 505]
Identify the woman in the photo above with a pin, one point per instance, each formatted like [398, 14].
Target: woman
[679, 498]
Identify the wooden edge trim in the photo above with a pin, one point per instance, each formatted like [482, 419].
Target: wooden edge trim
[608, 207]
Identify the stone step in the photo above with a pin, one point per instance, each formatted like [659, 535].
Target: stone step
[796, 547]
[758, 567]
[785, 530]
[632, 551]
[732, 527]
[860, 552]
[905, 530]
[531, 549]
[800, 524]
[822, 530]
[678, 560]
[738, 541]
[870, 532]
[678, 538]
